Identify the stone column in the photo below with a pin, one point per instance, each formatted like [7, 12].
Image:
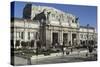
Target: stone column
[78, 39]
[47, 38]
[51, 36]
[15, 38]
[68, 36]
[60, 36]
[20, 40]
[71, 37]
[35, 45]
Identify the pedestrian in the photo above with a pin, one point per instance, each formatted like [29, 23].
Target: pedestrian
[29, 61]
[90, 50]
[62, 48]
[71, 49]
[56, 44]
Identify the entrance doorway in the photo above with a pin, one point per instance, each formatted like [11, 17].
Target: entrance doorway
[54, 38]
[73, 39]
[65, 39]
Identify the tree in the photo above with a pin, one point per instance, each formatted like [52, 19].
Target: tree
[23, 44]
[32, 43]
[17, 43]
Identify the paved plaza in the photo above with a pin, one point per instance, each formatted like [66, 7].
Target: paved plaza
[75, 56]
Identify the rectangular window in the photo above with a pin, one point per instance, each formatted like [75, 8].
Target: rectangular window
[36, 36]
[29, 35]
[81, 35]
[72, 21]
[19, 34]
[22, 35]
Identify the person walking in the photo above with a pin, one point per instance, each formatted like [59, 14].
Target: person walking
[90, 50]
[62, 48]
[29, 61]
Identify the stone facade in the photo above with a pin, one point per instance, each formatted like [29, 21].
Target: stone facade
[50, 26]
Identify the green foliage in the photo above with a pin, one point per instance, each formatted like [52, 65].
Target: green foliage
[17, 43]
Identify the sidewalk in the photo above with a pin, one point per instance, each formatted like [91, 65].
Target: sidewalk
[53, 57]
[48, 56]
[83, 52]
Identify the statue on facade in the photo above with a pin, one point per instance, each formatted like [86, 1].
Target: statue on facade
[76, 20]
[48, 14]
[40, 17]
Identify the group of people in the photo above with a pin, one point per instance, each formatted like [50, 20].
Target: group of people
[63, 47]
[66, 50]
